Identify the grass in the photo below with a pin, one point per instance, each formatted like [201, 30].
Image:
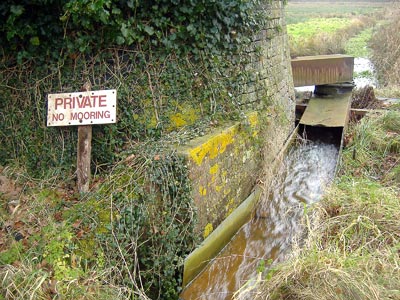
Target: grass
[42, 264]
[350, 248]
[314, 26]
[122, 240]
[357, 46]
[324, 36]
[392, 91]
[299, 12]
[317, 28]
[351, 245]
[385, 45]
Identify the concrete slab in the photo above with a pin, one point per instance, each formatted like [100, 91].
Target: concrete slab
[332, 111]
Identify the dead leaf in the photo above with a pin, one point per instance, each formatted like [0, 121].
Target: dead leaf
[130, 158]
[80, 233]
[58, 216]
[77, 223]
[18, 224]
[52, 286]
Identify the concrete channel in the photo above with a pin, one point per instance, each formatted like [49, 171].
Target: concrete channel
[222, 263]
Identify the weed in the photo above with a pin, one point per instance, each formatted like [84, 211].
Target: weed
[12, 254]
[373, 141]
[364, 98]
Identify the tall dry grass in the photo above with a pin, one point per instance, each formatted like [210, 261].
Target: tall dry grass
[385, 44]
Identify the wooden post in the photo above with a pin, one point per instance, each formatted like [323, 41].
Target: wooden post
[84, 152]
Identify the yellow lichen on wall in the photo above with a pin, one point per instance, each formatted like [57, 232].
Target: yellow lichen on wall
[178, 120]
[214, 169]
[185, 116]
[202, 190]
[175, 117]
[207, 230]
[221, 163]
[253, 120]
[213, 172]
[227, 191]
[214, 146]
[230, 207]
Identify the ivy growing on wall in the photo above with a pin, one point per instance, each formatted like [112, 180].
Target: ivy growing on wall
[65, 27]
[174, 63]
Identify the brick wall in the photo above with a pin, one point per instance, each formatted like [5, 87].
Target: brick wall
[225, 165]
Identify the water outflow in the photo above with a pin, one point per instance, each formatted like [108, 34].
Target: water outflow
[305, 173]
[364, 73]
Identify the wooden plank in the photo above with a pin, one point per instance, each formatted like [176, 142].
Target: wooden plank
[362, 111]
[220, 237]
[330, 111]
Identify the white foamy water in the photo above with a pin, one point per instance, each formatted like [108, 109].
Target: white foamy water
[364, 73]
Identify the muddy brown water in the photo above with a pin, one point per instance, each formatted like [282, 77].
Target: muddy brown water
[266, 239]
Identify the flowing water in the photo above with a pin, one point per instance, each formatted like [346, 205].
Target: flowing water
[364, 73]
[304, 174]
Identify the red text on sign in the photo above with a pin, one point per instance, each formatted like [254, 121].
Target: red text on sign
[90, 115]
[81, 102]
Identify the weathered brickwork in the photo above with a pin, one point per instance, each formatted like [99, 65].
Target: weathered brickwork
[225, 165]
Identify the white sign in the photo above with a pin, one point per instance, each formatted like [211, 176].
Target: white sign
[82, 108]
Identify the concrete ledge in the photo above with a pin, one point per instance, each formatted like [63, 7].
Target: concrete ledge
[217, 240]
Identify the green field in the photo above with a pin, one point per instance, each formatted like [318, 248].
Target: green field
[297, 12]
[317, 28]
[312, 27]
